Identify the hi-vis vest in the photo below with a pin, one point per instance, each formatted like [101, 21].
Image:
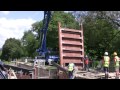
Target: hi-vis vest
[106, 61]
[117, 61]
[70, 67]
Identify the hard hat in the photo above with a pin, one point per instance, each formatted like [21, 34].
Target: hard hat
[115, 53]
[106, 53]
[86, 56]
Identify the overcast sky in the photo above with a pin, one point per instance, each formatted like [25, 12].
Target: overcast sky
[14, 23]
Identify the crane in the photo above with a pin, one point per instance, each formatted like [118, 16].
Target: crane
[43, 50]
[43, 32]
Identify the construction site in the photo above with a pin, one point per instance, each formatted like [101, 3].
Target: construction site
[71, 50]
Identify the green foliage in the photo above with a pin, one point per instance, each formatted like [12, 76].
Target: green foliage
[100, 32]
[97, 34]
[12, 49]
[95, 64]
[30, 44]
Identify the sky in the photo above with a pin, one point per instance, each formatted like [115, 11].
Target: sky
[14, 23]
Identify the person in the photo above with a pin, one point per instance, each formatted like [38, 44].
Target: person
[70, 70]
[116, 61]
[106, 62]
[86, 63]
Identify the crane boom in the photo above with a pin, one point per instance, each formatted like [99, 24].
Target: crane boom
[43, 50]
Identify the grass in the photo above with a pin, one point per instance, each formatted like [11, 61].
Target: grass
[8, 62]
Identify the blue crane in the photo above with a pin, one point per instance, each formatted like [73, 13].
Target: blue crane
[43, 51]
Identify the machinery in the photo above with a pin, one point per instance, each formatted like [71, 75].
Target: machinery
[43, 51]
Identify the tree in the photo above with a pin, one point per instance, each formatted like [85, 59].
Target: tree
[113, 17]
[99, 32]
[12, 49]
[30, 44]
[97, 35]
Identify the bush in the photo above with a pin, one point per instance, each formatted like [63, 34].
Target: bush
[95, 64]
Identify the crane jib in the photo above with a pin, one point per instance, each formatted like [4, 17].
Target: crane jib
[42, 50]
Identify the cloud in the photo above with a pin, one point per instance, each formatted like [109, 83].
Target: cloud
[13, 28]
[5, 12]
